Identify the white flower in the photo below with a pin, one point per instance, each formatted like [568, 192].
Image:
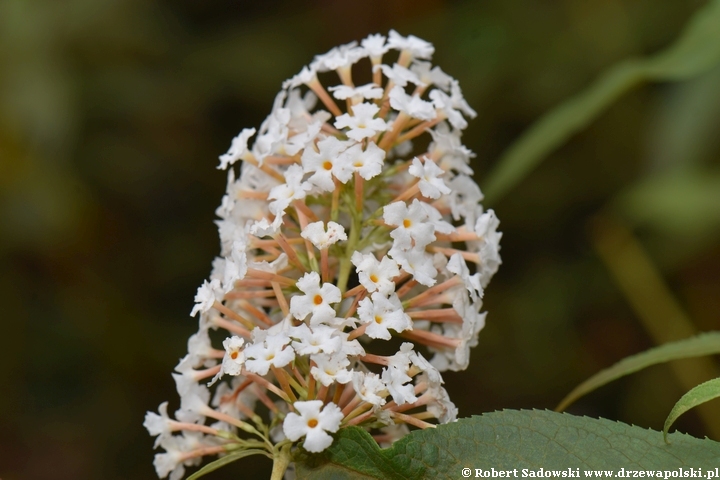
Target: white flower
[235, 265]
[441, 406]
[464, 196]
[412, 227]
[293, 189]
[193, 398]
[172, 462]
[273, 132]
[313, 424]
[417, 47]
[339, 57]
[199, 348]
[413, 105]
[457, 359]
[234, 356]
[273, 351]
[435, 218]
[400, 75]
[273, 267]
[237, 149]
[300, 107]
[362, 123]
[264, 228]
[322, 164]
[208, 293]
[306, 76]
[430, 373]
[158, 424]
[431, 185]
[315, 232]
[431, 75]
[444, 104]
[458, 266]
[369, 92]
[368, 163]
[448, 151]
[349, 348]
[396, 381]
[298, 141]
[453, 106]
[193, 405]
[416, 262]
[330, 369]
[374, 275]
[488, 246]
[321, 338]
[316, 301]
[381, 313]
[459, 101]
[395, 375]
[375, 46]
[369, 387]
[403, 358]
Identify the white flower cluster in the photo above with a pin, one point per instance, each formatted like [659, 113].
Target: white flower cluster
[335, 237]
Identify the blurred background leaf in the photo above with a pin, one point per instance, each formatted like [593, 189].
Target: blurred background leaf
[113, 113]
[694, 53]
[705, 344]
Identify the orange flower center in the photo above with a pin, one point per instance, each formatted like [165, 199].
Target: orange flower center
[312, 423]
[317, 300]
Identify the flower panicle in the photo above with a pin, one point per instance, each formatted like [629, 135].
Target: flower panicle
[353, 219]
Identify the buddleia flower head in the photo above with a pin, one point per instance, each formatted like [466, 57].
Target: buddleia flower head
[350, 219]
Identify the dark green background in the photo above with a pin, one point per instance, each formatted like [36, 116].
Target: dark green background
[113, 113]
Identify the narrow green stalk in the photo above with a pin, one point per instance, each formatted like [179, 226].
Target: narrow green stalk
[353, 238]
[281, 460]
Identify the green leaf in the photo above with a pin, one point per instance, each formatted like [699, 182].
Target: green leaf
[702, 393]
[695, 52]
[354, 454]
[681, 203]
[507, 440]
[698, 346]
[221, 462]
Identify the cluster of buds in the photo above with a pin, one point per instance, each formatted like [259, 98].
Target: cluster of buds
[337, 242]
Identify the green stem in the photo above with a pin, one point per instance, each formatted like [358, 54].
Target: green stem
[281, 460]
[344, 272]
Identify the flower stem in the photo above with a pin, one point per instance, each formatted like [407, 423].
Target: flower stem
[281, 460]
[352, 242]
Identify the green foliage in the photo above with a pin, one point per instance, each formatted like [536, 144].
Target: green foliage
[696, 52]
[702, 393]
[701, 345]
[685, 203]
[507, 440]
[354, 454]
